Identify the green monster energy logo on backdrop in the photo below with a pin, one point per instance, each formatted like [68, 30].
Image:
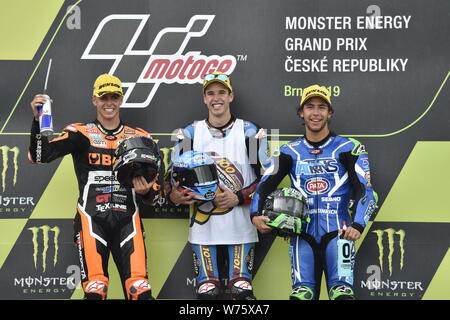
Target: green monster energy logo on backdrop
[166, 153]
[391, 242]
[45, 238]
[5, 156]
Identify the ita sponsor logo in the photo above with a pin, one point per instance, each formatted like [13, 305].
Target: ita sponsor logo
[165, 62]
[387, 279]
[317, 186]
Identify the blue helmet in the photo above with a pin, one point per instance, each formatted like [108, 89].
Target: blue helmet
[196, 172]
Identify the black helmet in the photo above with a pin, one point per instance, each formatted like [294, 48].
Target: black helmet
[136, 156]
[286, 209]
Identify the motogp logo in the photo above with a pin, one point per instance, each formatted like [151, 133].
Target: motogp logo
[143, 71]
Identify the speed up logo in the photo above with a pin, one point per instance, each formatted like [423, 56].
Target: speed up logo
[142, 71]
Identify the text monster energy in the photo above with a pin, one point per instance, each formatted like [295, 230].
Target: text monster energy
[391, 246]
[6, 151]
[45, 238]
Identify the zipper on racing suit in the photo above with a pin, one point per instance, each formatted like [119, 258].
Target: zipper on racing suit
[316, 191]
[111, 137]
[113, 181]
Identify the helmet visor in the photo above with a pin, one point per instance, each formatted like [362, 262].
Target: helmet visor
[289, 204]
[197, 177]
[137, 143]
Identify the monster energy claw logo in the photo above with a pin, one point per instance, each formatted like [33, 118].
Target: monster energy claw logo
[5, 156]
[391, 245]
[45, 238]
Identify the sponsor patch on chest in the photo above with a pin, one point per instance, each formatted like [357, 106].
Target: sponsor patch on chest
[317, 186]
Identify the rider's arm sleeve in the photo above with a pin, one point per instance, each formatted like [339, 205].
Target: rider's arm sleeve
[41, 150]
[259, 158]
[363, 196]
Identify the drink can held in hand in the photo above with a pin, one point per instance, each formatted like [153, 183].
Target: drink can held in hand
[45, 117]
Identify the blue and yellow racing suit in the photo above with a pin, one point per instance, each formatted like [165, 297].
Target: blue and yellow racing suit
[334, 176]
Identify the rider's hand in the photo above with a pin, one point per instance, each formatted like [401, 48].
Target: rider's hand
[226, 199]
[38, 101]
[181, 196]
[260, 223]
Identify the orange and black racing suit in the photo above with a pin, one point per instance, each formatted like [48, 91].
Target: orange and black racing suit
[107, 218]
